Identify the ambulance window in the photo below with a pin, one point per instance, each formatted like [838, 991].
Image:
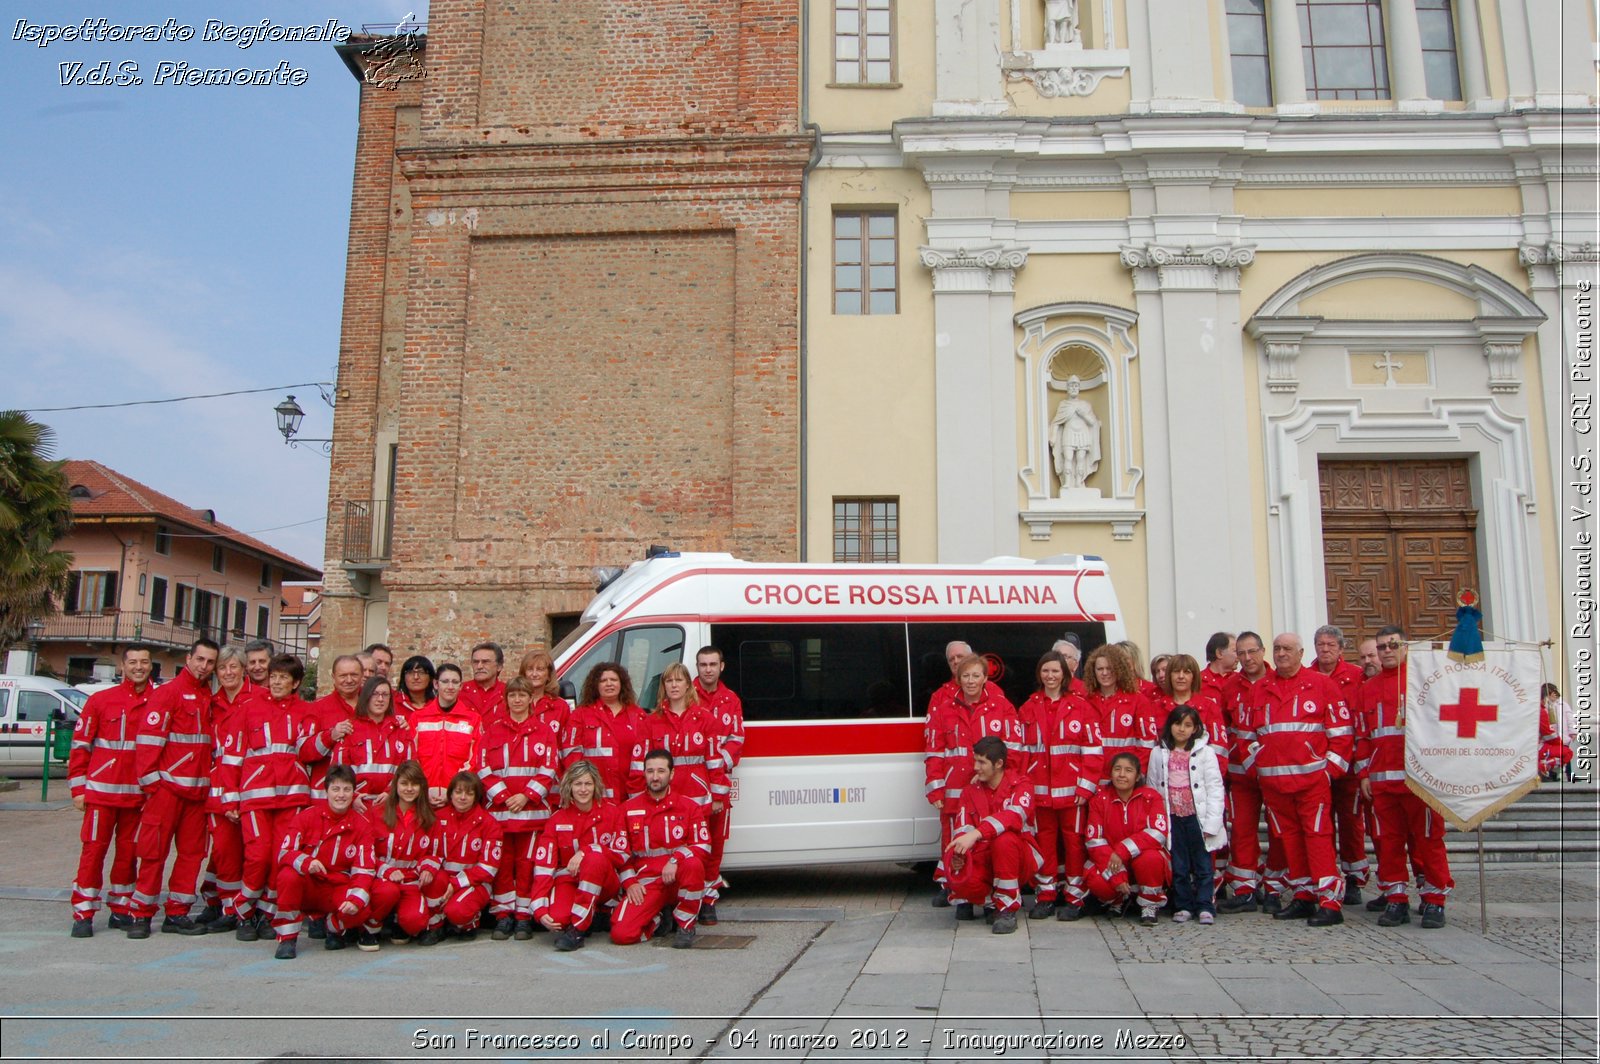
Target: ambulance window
[1013, 649]
[816, 671]
[5, 701]
[605, 650]
[36, 705]
[645, 653]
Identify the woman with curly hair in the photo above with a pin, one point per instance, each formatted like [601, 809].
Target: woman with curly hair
[1128, 719]
[609, 729]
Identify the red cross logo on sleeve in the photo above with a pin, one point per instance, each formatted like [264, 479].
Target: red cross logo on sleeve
[1467, 714]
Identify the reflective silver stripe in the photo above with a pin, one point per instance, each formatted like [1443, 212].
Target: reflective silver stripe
[1074, 749]
[294, 789]
[688, 760]
[998, 826]
[274, 748]
[1006, 884]
[1388, 733]
[1062, 792]
[180, 737]
[457, 866]
[392, 865]
[362, 770]
[597, 751]
[1273, 729]
[186, 781]
[1387, 777]
[660, 851]
[463, 726]
[110, 744]
[1293, 770]
[96, 787]
[522, 771]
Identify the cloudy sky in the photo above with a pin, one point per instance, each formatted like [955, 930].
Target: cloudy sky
[168, 240]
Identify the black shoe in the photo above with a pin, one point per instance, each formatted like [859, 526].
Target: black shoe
[1395, 914]
[1298, 909]
[568, 940]
[1352, 890]
[286, 950]
[941, 900]
[708, 914]
[366, 941]
[119, 922]
[333, 940]
[431, 937]
[1325, 917]
[182, 925]
[83, 927]
[248, 930]
[964, 911]
[1432, 916]
[1042, 910]
[1239, 903]
[1069, 913]
[209, 915]
[502, 929]
[465, 934]
[1004, 924]
[1272, 904]
[318, 928]
[988, 914]
[1378, 904]
[139, 927]
[522, 931]
[684, 939]
[223, 924]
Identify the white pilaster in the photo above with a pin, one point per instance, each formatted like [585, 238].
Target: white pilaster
[967, 64]
[1410, 87]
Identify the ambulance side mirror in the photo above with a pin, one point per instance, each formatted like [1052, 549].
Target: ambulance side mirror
[569, 692]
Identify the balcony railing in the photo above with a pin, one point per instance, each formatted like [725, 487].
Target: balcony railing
[368, 529]
[122, 626]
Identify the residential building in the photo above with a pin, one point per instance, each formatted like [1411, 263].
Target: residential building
[300, 622]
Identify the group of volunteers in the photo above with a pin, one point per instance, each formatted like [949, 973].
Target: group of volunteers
[1105, 790]
[415, 808]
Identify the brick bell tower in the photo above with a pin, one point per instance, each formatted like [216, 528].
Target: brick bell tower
[570, 322]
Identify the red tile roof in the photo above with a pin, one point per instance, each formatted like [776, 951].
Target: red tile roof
[113, 494]
[300, 600]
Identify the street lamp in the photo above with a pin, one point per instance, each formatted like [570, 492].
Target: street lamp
[289, 417]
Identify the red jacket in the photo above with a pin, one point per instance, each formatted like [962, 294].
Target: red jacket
[660, 829]
[518, 759]
[614, 743]
[270, 773]
[996, 810]
[1128, 722]
[227, 729]
[316, 737]
[554, 712]
[1067, 757]
[601, 830]
[175, 740]
[1241, 701]
[469, 846]
[488, 702]
[1302, 731]
[405, 848]
[446, 741]
[1125, 828]
[373, 752]
[951, 729]
[1214, 684]
[1380, 755]
[697, 766]
[728, 711]
[404, 708]
[1347, 677]
[102, 769]
[344, 844]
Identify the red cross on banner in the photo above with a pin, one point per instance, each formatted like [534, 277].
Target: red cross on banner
[1467, 714]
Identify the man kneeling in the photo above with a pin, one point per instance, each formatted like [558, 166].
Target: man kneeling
[668, 845]
[992, 847]
[326, 866]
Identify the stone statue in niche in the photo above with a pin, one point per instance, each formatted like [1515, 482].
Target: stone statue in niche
[1074, 439]
[1061, 24]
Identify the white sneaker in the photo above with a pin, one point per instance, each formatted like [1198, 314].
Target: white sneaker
[1207, 919]
[1181, 916]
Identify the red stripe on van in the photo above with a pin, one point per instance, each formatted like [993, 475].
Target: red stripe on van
[833, 737]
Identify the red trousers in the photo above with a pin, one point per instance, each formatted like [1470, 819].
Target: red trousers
[574, 900]
[1407, 825]
[630, 923]
[450, 902]
[299, 893]
[513, 882]
[1350, 827]
[1146, 875]
[263, 831]
[103, 825]
[225, 870]
[405, 899]
[718, 823]
[167, 818]
[1061, 844]
[1244, 856]
[1304, 820]
[991, 873]
[946, 826]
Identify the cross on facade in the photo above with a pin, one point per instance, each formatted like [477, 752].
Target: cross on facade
[1467, 714]
[1388, 364]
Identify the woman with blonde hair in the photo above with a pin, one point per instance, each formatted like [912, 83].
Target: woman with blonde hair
[583, 847]
[539, 669]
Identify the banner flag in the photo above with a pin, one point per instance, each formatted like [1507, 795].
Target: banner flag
[1472, 730]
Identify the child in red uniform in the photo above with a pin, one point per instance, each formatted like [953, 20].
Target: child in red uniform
[469, 855]
[408, 857]
[1128, 841]
[582, 848]
[326, 866]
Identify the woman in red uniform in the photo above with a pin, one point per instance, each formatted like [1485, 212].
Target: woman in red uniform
[687, 729]
[583, 847]
[445, 735]
[408, 858]
[539, 669]
[225, 869]
[1128, 720]
[1182, 687]
[380, 743]
[1127, 841]
[273, 786]
[1064, 737]
[469, 856]
[609, 729]
[416, 686]
[518, 766]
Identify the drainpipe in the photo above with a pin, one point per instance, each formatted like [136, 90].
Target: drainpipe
[805, 258]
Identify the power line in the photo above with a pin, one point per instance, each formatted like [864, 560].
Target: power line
[246, 531]
[177, 399]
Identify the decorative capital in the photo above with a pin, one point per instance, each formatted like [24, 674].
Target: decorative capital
[989, 268]
[1281, 337]
[1152, 256]
[1557, 252]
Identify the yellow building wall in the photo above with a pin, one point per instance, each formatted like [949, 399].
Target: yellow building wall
[1375, 201]
[860, 108]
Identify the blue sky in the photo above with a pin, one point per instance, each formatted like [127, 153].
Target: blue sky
[161, 240]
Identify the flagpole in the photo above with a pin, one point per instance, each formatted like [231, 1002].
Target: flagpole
[1483, 898]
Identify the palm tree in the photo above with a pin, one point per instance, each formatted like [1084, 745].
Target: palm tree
[35, 512]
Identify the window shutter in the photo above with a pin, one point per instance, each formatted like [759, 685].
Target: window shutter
[71, 603]
[110, 598]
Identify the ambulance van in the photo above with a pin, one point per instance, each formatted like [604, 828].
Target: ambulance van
[835, 665]
[26, 704]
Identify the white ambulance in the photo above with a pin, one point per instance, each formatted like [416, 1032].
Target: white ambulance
[835, 665]
[27, 703]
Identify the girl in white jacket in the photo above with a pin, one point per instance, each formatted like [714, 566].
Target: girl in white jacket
[1184, 770]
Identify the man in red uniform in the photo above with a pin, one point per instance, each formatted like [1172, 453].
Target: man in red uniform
[257, 660]
[485, 693]
[174, 760]
[993, 848]
[326, 866]
[105, 788]
[1349, 808]
[1303, 742]
[1072, 654]
[1242, 695]
[1367, 651]
[329, 719]
[725, 707]
[668, 845]
[1222, 659]
[382, 659]
[1406, 825]
[935, 759]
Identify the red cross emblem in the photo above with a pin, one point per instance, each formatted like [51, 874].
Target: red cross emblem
[1467, 714]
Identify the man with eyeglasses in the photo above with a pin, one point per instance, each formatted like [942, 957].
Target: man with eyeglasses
[1349, 812]
[1242, 692]
[486, 692]
[1406, 825]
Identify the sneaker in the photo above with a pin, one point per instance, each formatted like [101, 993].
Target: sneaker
[964, 911]
[1432, 916]
[318, 928]
[119, 922]
[1042, 910]
[83, 927]
[1352, 890]
[941, 900]
[1325, 917]
[1181, 916]
[367, 942]
[1378, 904]
[332, 940]
[684, 939]
[182, 925]
[708, 914]
[286, 950]
[1004, 924]
[222, 925]
[247, 931]
[139, 927]
[1207, 918]
[1069, 913]
[431, 937]
[502, 929]
[1239, 903]
[570, 940]
[522, 931]
[1147, 915]
[1395, 914]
